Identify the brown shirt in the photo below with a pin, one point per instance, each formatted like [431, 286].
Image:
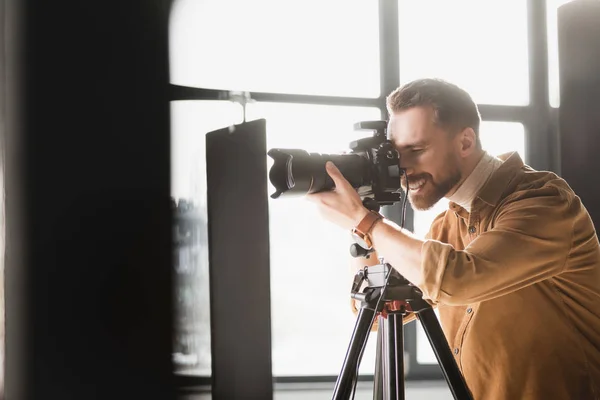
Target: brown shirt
[517, 285]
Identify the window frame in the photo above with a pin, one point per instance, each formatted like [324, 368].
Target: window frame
[539, 119]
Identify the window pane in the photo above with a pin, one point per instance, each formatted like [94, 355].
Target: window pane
[310, 275]
[304, 47]
[190, 120]
[478, 45]
[553, 71]
[496, 138]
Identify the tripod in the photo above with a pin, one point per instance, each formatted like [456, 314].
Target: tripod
[395, 296]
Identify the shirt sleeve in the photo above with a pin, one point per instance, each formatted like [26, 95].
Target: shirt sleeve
[529, 242]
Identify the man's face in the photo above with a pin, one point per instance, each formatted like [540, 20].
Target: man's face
[428, 153]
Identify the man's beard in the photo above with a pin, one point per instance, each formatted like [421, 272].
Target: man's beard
[433, 191]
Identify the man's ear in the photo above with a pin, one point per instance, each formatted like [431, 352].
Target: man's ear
[467, 142]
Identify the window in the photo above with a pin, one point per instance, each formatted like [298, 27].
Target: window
[496, 138]
[303, 47]
[480, 46]
[310, 281]
[326, 48]
[190, 121]
[553, 71]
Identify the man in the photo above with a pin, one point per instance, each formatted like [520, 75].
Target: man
[513, 265]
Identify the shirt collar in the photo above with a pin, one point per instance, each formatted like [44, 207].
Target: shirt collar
[491, 192]
[469, 189]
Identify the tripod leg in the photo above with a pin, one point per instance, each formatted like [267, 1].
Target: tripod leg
[393, 382]
[378, 378]
[345, 382]
[440, 347]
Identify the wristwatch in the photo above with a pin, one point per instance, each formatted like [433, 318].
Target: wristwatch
[361, 233]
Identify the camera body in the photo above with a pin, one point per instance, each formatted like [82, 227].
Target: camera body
[383, 161]
[372, 167]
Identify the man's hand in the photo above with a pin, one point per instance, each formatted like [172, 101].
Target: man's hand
[343, 205]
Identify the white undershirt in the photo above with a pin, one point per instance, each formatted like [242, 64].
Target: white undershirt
[466, 193]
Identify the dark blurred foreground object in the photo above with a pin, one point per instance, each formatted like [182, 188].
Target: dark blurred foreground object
[579, 113]
[88, 227]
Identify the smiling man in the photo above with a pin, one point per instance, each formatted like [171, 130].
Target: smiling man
[513, 265]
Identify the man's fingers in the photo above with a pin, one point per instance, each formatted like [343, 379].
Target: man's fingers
[336, 175]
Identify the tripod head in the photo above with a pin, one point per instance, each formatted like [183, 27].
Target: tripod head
[382, 279]
[382, 290]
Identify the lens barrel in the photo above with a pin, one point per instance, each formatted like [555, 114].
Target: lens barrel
[298, 172]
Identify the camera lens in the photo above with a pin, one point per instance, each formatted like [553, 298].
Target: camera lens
[298, 172]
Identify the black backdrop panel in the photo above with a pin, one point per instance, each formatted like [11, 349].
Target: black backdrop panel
[579, 66]
[88, 216]
[238, 226]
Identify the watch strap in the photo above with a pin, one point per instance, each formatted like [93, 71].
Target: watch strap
[365, 226]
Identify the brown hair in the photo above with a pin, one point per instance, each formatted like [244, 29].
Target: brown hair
[453, 107]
